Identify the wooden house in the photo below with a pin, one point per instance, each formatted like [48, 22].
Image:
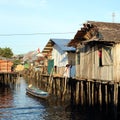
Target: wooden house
[58, 54]
[97, 51]
[5, 65]
[33, 59]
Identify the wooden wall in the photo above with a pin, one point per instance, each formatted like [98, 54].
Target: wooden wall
[5, 66]
[89, 67]
[116, 68]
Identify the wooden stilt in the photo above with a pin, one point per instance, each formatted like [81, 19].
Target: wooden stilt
[115, 100]
[100, 96]
[92, 93]
[81, 91]
[77, 93]
[106, 97]
[89, 94]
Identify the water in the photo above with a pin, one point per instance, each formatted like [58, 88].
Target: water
[15, 104]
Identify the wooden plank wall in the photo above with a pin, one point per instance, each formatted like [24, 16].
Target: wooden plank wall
[89, 66]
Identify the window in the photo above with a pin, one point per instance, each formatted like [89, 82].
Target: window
[100, 57]
[107, 55]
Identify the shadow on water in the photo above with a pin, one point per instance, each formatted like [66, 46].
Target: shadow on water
[15, 104]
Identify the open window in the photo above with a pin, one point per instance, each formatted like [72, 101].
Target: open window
[105, 56]
[100, 57]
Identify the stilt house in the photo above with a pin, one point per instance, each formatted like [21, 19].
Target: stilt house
[58, 54]
[97, 51]
[5, 64]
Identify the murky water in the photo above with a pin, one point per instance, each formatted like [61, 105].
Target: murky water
[15, 104]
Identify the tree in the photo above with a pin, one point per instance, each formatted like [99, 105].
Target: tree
[16, 62]
[1, 52]
[6, 52]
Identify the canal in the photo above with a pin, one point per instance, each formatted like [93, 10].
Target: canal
[15, 104]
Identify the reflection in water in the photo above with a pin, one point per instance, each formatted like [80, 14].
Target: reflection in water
[15, 104]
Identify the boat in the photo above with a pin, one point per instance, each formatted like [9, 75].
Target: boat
[37, 92]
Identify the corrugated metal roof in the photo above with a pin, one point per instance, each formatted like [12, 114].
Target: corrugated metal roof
[63, 44]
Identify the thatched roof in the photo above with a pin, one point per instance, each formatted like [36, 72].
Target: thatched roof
[97, 31]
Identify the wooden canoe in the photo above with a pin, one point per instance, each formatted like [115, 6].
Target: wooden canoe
[37, 92]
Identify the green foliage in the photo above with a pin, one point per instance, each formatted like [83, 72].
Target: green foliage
[16, 62]
[1, 52]
[6, 52]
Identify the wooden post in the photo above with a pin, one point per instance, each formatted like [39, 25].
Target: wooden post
[77, 92]
[115, 100]
[95, 93]
[50, 83]
[89, 94]
[106, 97]
[54, 84]
[92, 93]
[65, 85]
[63, 88]
[81, 91]
[58, 87]
[100, 96]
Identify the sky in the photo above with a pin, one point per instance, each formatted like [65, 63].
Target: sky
[26, 25]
